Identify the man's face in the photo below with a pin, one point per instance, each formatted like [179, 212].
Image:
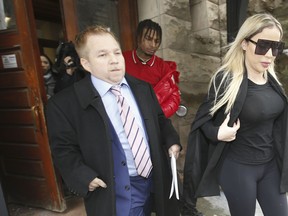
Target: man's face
[104, 58]
[149, 42]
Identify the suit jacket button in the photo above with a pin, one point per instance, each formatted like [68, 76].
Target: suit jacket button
[123, 163]
[127, 187]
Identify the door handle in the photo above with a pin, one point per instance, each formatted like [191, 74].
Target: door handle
[37, 118]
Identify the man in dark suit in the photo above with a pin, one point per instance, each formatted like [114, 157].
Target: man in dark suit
[89, 140]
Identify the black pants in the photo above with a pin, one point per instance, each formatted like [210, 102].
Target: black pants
[242, 184]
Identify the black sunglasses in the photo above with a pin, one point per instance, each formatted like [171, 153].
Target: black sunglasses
[262, 46]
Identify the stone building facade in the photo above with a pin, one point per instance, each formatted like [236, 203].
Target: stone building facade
[194, 33]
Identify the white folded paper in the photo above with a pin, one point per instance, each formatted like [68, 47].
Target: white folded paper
[174, 184]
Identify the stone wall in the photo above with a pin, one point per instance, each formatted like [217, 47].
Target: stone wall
[279, 9]
[194, 33]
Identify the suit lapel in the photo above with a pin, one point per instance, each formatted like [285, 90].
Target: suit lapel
[88, 95]
[140, 95]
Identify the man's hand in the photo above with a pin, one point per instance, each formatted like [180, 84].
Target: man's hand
[174, 149]
[96, 183]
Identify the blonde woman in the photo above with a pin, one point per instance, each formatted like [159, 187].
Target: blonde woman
[239, 138]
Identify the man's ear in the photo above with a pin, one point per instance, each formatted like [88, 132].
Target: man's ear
[85, 64]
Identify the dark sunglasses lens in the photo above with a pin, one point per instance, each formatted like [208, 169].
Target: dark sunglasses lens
[277, 48]
[263, 46]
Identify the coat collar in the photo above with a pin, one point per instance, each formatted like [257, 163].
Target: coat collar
[136, 60]
[140, 94]
[88, 95]
[238, 104]
[85, 91]
[277, 87]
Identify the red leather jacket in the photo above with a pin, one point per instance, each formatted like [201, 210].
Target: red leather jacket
[167, 91]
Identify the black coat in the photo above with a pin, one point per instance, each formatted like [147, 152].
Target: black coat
[81, 144]
[203, 157]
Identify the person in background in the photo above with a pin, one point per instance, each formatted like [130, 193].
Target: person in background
[239, 138]
[143, 64]
[49, 79]
[109, 137]
[67, 66]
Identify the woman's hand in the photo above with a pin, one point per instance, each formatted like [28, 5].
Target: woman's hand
[226, 133]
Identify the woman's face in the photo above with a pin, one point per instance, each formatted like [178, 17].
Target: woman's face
[45, 64]
[257, 63]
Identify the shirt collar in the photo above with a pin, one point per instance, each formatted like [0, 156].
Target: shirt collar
[103, 87]
[136, 60]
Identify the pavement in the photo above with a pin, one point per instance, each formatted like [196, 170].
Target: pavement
[209, 206]
[75, 207]
[217, 206]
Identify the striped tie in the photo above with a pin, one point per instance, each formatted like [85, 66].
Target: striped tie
[134, 135]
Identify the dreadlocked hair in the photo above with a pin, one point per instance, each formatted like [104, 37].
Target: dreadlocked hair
[150, 26]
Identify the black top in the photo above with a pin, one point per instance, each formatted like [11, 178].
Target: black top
[254, 140]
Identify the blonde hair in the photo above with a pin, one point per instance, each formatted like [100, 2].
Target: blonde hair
[233, 69]
[81, 38]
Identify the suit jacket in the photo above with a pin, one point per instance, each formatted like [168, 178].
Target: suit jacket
[204, 156]
[81, 144]
[121, 176]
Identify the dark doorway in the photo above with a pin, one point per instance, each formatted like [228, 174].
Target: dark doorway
[27, 173]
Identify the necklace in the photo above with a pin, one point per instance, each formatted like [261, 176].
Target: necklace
[143, 61]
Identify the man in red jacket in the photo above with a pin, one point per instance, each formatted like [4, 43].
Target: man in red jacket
[143, 64]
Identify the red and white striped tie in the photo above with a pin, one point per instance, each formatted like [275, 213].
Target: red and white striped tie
[134, 135]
